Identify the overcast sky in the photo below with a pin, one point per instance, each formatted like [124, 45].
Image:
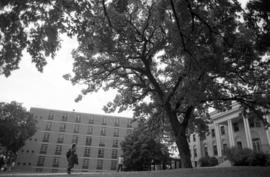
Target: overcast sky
[49, 89]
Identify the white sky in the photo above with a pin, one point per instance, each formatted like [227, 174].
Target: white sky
[48, 89]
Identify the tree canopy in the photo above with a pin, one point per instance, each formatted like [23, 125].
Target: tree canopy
[16, 125]
[141, 148]
[175, 58]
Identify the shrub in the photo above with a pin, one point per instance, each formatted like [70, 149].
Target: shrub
[204, 161]
[257, 159]
[238, 156]
[208, 161]
[246, 157]
[213, 161]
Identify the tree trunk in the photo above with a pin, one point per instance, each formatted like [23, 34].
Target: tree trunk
[183, 148]
[179, 131]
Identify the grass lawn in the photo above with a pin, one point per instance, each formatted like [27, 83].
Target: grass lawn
[197, 172]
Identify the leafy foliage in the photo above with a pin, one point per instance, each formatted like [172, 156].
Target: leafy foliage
[177, 57]
[141, 148]
[208, 161]
[246, 157]
[16, 125]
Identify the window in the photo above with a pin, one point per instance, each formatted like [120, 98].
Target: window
[39, 169]
[75, 139]
[60, 138]
[58, 150]
[256, 144]
[88, 141]
[43, 149]
[55, 162]
[215, 149]
[41, 160]
[239, 144]
[90, 130]
[195, 151]
[195, 163]
[101, 142]
[51, 116]
[103, 131]
[129, 124]
[116, 122]
[257, 123]
[235, 127]
[213, 133]
[46, 137]
[78, 118]
[76, 128]
[99, 164]
[251, 122]
[85, 163]
[116, 132]
[48, 126]
[115, 143]
[65, 117]
[87, 152]
[54, 170]
[222, 130]
[62, 127]
[100, 153]
[194, 137]
[224, 147]
[113, 164]
[114, 154]
[205, 151]
[104, 121]
[91, 120]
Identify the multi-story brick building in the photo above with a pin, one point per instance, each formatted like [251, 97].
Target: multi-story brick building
[229, 129]
[97, 137]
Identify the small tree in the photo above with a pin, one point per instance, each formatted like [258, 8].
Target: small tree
[16, 125]
[141, 148]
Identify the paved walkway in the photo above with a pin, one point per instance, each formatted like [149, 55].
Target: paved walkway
[49, 174]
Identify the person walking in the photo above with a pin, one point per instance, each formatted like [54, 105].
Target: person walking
[120, 163]
[72, 158]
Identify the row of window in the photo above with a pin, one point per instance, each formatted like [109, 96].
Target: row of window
[255, 141]
[87, 151]
[90, 119]
[252, 123]
[85, 165]
[76, 129]
[75, 139]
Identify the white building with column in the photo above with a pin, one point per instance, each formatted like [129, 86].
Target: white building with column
[229, 129]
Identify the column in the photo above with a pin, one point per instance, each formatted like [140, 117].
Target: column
[218, 139]
[247, 132]
[268, 130]
[230, 133]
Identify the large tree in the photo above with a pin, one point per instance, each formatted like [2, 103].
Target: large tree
[174, 58]
[16, 125]
[143, 147]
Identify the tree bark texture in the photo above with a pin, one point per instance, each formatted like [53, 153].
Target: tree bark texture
[179, 130]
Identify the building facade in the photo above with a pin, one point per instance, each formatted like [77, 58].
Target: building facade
[97, 137]
[230, 129]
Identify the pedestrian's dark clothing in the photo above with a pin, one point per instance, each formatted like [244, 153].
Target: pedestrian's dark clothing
[120, 163]
[72, 159]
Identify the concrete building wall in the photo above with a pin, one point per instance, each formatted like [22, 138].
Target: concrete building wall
[211, 143]
[57, 130]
